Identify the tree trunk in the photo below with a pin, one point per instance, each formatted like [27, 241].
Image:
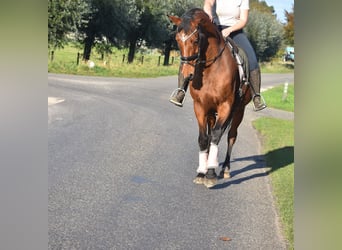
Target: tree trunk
[88, 43]
[167, 52]
[131, 51]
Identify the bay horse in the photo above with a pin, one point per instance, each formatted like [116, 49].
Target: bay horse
[219, 96]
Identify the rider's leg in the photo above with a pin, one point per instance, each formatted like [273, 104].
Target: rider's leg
[178, 95]
[255, 80]
[241, 39]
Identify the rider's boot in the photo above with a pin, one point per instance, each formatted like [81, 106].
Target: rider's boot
[255, 80]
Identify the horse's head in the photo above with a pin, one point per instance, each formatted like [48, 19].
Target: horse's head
[194, 28]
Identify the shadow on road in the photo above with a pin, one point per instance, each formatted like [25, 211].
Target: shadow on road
[276, 159]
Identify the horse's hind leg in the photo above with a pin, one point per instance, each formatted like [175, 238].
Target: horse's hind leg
[231, 139]
[226, 165]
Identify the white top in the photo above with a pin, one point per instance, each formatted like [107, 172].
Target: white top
[228, 11]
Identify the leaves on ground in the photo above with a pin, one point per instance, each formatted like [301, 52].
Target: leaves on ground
[224, 238]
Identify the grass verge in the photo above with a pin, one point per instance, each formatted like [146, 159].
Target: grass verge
[145, 64]
[275, 98]
[278, 147]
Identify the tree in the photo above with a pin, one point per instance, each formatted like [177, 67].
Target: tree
[289, 27]
[129, 24]
[153, 26]
[148, 26]
[63, 18]
[124, 24]
[261, 6]
[265, 34]
[97, 24]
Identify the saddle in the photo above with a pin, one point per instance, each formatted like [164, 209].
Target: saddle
[242, 61]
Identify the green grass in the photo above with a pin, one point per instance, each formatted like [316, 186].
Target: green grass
[65, 61]
[278, 147]
[277, 66]
[274, 98]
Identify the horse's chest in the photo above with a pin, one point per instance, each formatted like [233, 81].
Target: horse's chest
[204, 95]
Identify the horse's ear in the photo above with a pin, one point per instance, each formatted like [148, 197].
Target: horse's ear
[175, 19]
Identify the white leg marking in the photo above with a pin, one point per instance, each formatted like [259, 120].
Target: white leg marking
[203, 162]
[213, 156]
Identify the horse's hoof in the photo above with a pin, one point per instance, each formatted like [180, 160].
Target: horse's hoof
[224, 174]
[210, 182]
[199, 179]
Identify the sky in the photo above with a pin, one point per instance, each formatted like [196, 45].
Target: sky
[279, 7]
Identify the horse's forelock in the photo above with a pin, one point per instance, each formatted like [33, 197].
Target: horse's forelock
[196, 15]
[186, 22]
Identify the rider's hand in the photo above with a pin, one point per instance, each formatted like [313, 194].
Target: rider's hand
[226, 32]
[211, 18]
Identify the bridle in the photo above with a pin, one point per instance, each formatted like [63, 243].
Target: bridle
[195, 59]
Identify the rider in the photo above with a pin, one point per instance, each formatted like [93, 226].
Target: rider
[231, 17]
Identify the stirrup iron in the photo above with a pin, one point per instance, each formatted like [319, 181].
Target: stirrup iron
[174, 94]
[262, 100]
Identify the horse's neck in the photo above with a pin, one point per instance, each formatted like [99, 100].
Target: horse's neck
[214, 48]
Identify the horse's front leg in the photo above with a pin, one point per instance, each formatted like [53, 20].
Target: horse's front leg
[203, 142]
[223, 121]
[212, 162]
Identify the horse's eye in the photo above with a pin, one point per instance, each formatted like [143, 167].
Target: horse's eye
[196, 41]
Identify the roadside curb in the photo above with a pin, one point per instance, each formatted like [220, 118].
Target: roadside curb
[269, 112]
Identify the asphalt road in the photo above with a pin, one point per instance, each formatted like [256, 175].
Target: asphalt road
[121, 164]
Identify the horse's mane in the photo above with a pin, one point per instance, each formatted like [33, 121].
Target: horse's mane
[202, 20]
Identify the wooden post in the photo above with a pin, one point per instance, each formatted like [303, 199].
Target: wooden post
[159, 60]
[78, 58]
[123, 58]
[52, 55]
[142, 59]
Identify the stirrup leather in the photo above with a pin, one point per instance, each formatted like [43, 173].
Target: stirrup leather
[174, 94]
